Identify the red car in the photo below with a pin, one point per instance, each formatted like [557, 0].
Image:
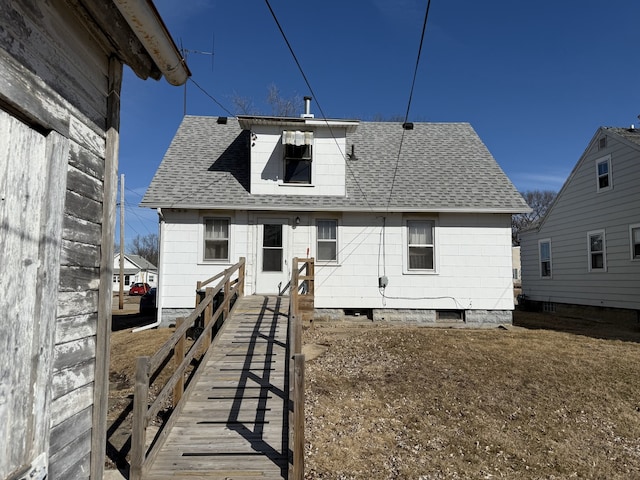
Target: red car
[139, 288]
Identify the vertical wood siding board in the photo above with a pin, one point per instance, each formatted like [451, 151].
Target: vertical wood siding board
[80, 230]
[86, 161]
[77, 303]
[19, 257]
[75, 254]
[83, 184]
[103, 330]
[65, 459]
[76, 352]
[67, 380]
[68, 405]
[57, 154]
[65, 433]
[76, 327]
[83, 207]
[79, 279]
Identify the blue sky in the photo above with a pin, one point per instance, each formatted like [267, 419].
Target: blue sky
[535, 79]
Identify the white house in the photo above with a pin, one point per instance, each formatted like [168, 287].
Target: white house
[586, 250]
[406, 222]
[136, 269]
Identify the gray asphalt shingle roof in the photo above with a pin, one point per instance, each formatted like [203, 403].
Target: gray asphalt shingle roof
[443, 167]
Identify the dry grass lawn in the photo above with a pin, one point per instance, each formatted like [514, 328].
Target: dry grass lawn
[557, 399]
[423, 403]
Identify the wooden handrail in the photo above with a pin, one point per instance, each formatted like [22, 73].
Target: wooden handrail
[150, 367]
[296, 363]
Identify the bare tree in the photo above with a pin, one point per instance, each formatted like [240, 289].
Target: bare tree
[539, 201]
[146, 247]
[281, 106]
[243, 105]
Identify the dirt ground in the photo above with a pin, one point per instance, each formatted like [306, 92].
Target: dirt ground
[551, 397]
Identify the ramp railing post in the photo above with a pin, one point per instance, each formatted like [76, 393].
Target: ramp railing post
[139, 428]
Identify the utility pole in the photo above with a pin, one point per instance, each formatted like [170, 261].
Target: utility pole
[121, 293]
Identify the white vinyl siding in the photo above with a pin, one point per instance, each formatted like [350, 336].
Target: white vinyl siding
[597, 251]
[544, 252]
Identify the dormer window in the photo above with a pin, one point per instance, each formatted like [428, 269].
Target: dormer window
[298, 155]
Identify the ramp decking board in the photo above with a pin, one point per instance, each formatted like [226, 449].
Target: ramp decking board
[233, 423]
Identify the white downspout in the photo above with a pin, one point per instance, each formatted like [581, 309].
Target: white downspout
[146, 23]
[160, 282]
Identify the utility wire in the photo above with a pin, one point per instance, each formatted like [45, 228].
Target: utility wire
[406, 116]
[315, 97]
[210, 96]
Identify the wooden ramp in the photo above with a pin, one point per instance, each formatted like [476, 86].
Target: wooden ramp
[234, 422]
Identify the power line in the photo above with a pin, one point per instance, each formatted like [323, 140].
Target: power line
[210, 96]
[406, 117]
[324, 117]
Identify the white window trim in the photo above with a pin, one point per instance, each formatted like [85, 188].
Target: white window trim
[631, 228]
[338, 241]
[405, 246]
[604, 250]
[600, 160]
[540, 242]
[201, 259]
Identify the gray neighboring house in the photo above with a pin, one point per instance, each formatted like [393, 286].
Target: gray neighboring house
[584, 257]
[421, 234]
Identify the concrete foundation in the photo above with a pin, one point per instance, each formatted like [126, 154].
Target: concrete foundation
[468, 318]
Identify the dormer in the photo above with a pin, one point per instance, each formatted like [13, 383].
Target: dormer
[297, 156]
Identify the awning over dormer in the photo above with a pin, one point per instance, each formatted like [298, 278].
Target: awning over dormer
[297, 137]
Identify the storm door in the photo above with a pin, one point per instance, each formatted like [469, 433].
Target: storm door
[273, 265]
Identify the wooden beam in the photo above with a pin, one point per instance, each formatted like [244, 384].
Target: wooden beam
[103, 332]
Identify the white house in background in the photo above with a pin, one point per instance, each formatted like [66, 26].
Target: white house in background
[136, 269]
[586, 250]
[406, 222]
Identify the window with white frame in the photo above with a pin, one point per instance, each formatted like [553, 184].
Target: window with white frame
[634, 233]
[603, 172]
[420, 245]
[216, 239]
[298, 149]
[544, 249]
[597, 251]
[327, 240]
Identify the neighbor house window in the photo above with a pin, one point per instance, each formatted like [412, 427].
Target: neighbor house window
[115, 279]
[216, 239]
[544, 248]
[420, 244]
[152, 278]
[603, 170]
[327, 248]
[298, 149]
[127, 280]
[597, 253]
[634, 230]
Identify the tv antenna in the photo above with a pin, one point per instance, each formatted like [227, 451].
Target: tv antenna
[185, 54]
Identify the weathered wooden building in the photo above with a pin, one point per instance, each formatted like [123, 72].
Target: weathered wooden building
[61, 65]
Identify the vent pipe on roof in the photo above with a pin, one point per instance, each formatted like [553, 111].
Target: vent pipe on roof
[307, 108]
